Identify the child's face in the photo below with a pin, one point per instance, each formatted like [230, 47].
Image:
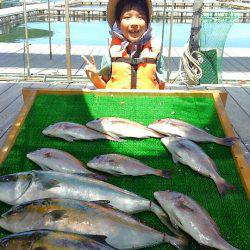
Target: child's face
[133, 24]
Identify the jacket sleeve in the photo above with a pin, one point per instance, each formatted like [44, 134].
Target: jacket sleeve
[105, 69]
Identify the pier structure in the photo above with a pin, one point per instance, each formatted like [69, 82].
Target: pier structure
[87, 10]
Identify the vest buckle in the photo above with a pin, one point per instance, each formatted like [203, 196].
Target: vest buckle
[136, 61]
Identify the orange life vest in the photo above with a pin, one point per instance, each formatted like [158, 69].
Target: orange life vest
[133, 73]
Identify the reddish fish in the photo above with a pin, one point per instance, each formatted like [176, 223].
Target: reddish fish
[188, 215]
[123, 165]
[176, 127]
[119, 127]
[188, 153]
[72, 131]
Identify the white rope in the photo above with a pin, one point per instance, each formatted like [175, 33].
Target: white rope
[192, 71]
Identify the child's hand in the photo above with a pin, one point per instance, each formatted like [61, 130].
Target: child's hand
[90, 67]
[92, 72]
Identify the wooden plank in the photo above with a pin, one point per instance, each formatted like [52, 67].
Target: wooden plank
[9, 114]
[12, 94]
[4, 137]
[4, 151]
[239, 119]
[243, 167]
[5, 86]
[241, 97]
[77, 86]
[247, 89]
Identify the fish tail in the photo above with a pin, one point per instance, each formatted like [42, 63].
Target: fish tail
[223, 186]
[228, 141]
[165, 173]
[178, 242]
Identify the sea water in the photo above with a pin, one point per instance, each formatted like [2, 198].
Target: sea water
[97, 33]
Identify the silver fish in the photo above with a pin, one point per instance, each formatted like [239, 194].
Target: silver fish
[119, 127]
[188, 153]
[187, 214]
[60, 161]
[53, 240]
[27, 186]
[123, 165]
[74, 216]
[176, 127]
[72, 131]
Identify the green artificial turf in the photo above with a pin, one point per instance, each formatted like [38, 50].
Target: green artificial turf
[231, 213]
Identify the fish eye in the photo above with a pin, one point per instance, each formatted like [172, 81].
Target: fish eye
[9, 178]
[48, 155]
[15, 210]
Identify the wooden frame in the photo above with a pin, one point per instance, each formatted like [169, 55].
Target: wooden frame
[218, 97]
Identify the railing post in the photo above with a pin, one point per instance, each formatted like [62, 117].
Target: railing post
[50, 49]
[26, 38]
[68, 55]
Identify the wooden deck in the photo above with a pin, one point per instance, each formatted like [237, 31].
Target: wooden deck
[237, 106]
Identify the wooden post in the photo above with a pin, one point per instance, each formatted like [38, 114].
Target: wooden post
[196, 25]
[68, 55]
[50, 50]
[26, 38]
[170, 42]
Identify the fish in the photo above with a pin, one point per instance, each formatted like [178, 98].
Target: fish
[70, 131]
[186, 214]
[26, 186]
[119, 127]
[58, 160]
[44, 239]
[117, 164]
[174, 127]
[189, 153]
[74, 216]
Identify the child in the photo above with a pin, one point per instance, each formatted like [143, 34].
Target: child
[134, 61]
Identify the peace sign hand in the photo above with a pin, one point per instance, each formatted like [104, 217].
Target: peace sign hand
[90, 67]
[92, 72]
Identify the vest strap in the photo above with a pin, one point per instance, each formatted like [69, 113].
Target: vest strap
[134, 61]
[134, 66]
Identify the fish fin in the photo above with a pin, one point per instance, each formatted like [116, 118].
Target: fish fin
[178, 242]
[40, 248]
[228, 141]
[175, 159]
[45, 168]
[68, 138]
[102, 202]
[113, 137]
[164, 218]
[97, 237]
[56, 215]
[165, 173]
[182, 205]
[93, 175]
[116, 173]
[106, 203]
[175, 221]
[48, 184]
